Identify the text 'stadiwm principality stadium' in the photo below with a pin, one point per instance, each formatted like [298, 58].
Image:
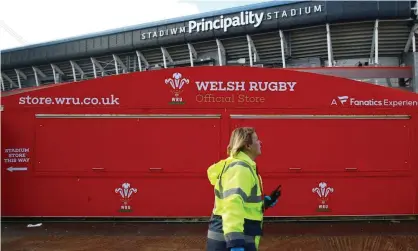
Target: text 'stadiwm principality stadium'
[105, 124]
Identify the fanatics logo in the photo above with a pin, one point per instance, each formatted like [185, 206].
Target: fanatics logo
[177, 83]
[342, 100]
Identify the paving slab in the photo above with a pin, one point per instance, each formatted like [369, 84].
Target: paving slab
[294, 236]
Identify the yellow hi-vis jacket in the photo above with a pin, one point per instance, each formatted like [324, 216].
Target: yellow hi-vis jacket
[238, 211]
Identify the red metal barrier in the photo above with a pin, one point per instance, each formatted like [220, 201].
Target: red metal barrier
[139, 144]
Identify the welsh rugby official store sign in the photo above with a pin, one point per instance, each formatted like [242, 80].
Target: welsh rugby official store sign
[224, 87]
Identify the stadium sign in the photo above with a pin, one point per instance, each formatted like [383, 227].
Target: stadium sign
[223, 23]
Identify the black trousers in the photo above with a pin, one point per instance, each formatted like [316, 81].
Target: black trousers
[216, 245]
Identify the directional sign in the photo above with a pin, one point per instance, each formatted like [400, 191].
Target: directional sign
[12, 169]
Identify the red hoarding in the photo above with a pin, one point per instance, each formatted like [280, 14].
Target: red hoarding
[112, 146]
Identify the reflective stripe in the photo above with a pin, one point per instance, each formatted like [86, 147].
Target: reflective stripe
[242, 163]
[216, 236]
[234, 236]
[253, 198]
[230, 237]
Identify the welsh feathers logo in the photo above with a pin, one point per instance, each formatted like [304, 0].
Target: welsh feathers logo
[177, 83]
[125, 192]
[323, 191]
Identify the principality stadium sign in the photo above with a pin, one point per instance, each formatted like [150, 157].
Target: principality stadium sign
[244, 18]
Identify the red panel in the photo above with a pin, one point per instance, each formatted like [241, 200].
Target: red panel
[17, 193]
[166, 196]
[68, 145]
[176, 196]
[164, 145]
[126, 144]
[349, 196]
[58, 196]
[332, 145]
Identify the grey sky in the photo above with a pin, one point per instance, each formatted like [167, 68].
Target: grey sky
[41, 21]
[211, 5]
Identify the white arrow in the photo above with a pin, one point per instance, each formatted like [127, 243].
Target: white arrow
[11, 169]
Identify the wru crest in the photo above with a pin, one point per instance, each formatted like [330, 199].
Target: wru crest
[323, 191]
[125, 192]
[177, 83]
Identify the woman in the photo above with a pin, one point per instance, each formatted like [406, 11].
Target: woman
[236, 222]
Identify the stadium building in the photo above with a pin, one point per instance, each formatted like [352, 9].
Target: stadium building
[293, 34]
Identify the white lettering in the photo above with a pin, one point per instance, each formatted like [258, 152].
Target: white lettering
[220, 86]
[239, 86]
[272, 86]
[244, 18]
[223, 23]
[16, 150]
[384, 102]
[202, 85]
[28, 100]
[251, 86]
[17, 155]
[293, 12]
[284, 14]
[317, 8]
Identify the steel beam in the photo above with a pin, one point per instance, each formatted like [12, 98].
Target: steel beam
[19, 74]
[388, 82]
[56, 69]
[12, 33]
[75, 68]
[117, 61]
[329, 47]
[252, 51]
[141, 57]
[282, 48]
[411, 39]
[221, 52]
[11, 82]
[166, 56]
[1, 82]
[36, 71]
[375, 45]
[95, 64]
[192, 54]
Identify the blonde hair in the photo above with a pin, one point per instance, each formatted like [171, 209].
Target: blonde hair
[240, 137]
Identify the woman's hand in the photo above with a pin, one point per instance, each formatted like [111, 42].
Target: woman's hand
[269, 201]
